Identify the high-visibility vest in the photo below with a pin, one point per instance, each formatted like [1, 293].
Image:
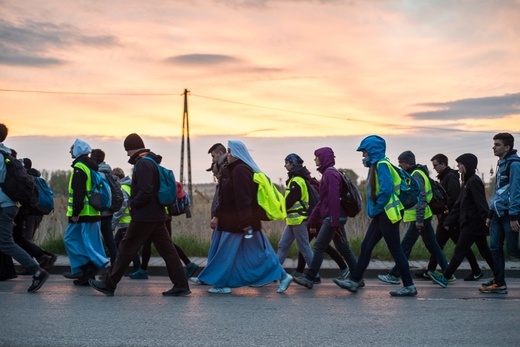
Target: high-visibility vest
[394, 207]
[297, 213]
[410, 215]
[125, 219]
[87, 209]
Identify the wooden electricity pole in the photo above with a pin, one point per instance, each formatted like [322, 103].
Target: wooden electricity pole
[186, 129]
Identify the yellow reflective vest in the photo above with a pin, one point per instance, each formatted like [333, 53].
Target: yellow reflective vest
[394, 207]
[297, 213]
[410, 215]
[125, 219]
[87, 209]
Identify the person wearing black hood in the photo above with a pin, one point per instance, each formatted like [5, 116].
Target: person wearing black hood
[297, 199]
[469, 212]
[148, 217]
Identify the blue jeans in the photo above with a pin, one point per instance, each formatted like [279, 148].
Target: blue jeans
[381, 227]
[428, 236]
[500, 231]
[7, 245]
[298, 233]
[323, 239]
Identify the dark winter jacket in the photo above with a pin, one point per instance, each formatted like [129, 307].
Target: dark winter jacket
[144, 200]
[79, 188]
[471, 208]
[238, 205]
[449, 179]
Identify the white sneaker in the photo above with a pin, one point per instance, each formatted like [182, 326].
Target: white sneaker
[220, 290]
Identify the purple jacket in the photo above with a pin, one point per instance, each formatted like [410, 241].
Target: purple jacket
[330, 185]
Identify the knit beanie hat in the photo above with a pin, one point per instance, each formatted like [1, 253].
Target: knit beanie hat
[133, 141]
[294, 159]
[407, 157]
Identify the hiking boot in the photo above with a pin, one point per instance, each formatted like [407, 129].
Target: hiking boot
[489, 282]
[405, 291]
[473, 277]
[438, 278]
[285, 283]
[38, 281]
[493, 289]
[422, 274]
[101, 287]
[190, 269]
[139, 275]
[452, 278]
[349, 285]
[343, 274]
[389, 279]
[303, 281]
[220, 290]
[46, 262]
[177, 292]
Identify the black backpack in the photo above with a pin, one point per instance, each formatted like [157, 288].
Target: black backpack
[116, 190]
[19, 185]
[314, 198]
[439, 202]
[350, 198]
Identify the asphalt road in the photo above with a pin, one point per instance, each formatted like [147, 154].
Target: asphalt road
[62, 314]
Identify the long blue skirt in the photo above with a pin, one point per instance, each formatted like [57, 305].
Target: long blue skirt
[236, 262]
[83, 244]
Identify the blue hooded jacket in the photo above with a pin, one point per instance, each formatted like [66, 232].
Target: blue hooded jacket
[506, 199]
[375, 146]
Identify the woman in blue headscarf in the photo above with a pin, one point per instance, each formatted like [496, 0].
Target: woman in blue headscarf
[240, 253]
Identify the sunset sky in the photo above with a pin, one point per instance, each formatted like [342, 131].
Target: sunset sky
[283, 76]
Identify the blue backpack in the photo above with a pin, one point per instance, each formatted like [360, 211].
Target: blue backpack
[100, 197]
[46, 196]
[167, 186]
[410, 189]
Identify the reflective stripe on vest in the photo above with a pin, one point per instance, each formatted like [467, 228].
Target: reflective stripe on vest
[297, 213]
[87, 209]
[394, 207]
[126, 219]
[410, 215]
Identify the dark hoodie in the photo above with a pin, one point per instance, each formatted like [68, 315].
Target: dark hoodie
[471, 209]
[144, 201]
[330, 185]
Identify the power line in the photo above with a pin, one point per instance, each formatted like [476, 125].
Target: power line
[349, 119]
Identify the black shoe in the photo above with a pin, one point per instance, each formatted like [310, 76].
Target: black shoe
[317, 280]
[422, 274]
[473, 277]
[47, 261]
[89, 273]
[72, 276]
[303, 281]
[177, 292]
[38, 281]
[101, 287]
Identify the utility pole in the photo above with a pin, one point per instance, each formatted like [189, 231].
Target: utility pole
[186, 129]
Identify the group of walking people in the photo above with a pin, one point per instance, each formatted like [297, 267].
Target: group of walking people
[240, 253]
